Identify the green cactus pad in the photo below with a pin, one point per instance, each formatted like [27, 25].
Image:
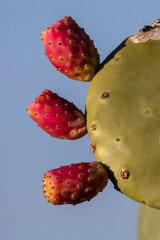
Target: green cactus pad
[123, 116]
[148, 223]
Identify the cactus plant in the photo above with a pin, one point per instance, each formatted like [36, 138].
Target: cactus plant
[122, 111]
[123, 116]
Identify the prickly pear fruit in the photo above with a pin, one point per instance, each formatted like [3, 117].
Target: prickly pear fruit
[123, 116]
[57, 116]
[70, 49]
[74, 183]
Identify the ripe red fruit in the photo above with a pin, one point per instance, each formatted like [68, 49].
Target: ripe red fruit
[70, 49]
[74, 183]
[57, 116]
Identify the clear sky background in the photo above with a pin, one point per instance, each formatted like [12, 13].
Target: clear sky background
[26, 151]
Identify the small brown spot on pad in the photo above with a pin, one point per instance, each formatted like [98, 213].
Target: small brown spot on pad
[116, 59]
[104, 95]
[117, 139]
[147, 111]
[93, 147]
[124, 173]
[93, 127]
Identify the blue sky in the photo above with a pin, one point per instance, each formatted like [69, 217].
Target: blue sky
[26, 151]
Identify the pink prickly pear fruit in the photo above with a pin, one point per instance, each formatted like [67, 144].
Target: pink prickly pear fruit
[57, 116]
[70, 49]
[75, 183]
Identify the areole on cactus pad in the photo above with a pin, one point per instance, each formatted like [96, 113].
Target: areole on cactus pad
[123, 116]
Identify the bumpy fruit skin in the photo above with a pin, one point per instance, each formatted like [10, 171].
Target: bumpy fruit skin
[70, 49]
[57, 116]
[123, 116]
[75, 183]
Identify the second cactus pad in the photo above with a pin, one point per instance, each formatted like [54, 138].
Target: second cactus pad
[123, 116]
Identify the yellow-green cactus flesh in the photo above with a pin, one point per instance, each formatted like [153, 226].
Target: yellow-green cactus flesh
[148, 223]
[123, 116]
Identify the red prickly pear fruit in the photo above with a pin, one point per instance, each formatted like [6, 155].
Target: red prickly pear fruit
[75, 183]
[70, 49]
[57, 116]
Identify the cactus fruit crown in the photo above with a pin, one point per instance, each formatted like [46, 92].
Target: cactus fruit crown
[122, 114]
